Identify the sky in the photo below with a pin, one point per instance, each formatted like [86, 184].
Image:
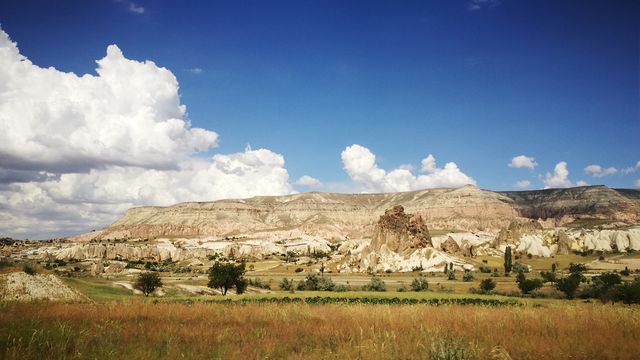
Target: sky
[106, 105]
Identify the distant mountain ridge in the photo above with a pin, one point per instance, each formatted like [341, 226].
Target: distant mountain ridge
[337, 217]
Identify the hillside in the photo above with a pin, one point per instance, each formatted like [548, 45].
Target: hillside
[336, 217]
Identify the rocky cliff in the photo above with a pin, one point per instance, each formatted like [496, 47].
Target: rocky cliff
[336, 217]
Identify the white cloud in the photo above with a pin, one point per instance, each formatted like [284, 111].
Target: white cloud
[523, 184]
[631, 169]
[360, 164]
[136, 9]
[77, 151]
[308, 181]
[474, 5]
[522, 161]
[559, 178]
[636, 184]
[598, 171]
[195, 71]
[582, 183]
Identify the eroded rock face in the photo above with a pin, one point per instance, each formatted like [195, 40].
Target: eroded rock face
[19, 286]
[400, 231]
[401, 242]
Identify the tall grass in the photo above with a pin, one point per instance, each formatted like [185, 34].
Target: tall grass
[144, 330]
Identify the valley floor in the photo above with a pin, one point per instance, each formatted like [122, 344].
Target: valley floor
[144, 329]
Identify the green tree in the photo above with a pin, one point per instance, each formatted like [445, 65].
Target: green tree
[467, 276]
[629, 293]
[569, 285]
[507, 260]
[227, 276]
[286, 284]
[148, 282]
[487, 285]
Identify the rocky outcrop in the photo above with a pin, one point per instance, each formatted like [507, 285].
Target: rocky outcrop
[19, 286]
[450, 246]
[401, 242]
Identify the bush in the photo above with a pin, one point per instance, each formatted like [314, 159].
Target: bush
[227, 276]
[577, 268]
[450, 348]
[487, 285]
[326, 284]
[299, 270]
[419, 284]
[286, 284]
[529, 285]
[629, 293]
[485, 270]
[257, 282]
[451, 275]
[549, 276]
[29, 269]
[517, 267]
[569, 285]
[148, 282]
[342, 288]
[625, 272]
[376, 284]
[467, 276]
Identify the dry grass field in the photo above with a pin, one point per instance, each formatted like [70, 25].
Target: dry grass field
[148, 330]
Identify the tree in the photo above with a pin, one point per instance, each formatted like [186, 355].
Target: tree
[227, 276]
[629, 293]
[529, 285]
[148, 282]
[286, 284]
[577, 269]
[467, 276]
[507, 260]
[569, 285]
[487, 285]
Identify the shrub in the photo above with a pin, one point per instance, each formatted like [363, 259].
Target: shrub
[529, 285]
[417, 268]
[419, 283]
[451, 275]
[517, 267]
[376, 284]
[495, 273]
[485, 270]
[549, 276]
[569, 285]
[629, 293]
[625, 272]
[326, 284]
[227, 276]
[148, 282]
[450, 348]
[286, 284]
[402, 288]
[299, 270]
[342, 288]
[467, 276]
[29, 269]
[257, 282]
[577, 268]
[487, 285]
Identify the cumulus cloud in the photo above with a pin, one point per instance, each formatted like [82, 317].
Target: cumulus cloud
[598, 171]
[475, 5]
[308, 181]
[523, 161]
[360, 164]
[559, 178]
[77, 151]
[523, 184]
[581, 183]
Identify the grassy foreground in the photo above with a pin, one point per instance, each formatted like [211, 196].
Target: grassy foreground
[147, 330]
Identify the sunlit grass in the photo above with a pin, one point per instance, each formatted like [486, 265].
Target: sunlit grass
[144, 330]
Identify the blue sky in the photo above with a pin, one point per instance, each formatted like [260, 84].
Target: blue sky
[554, 80]
[474, 82]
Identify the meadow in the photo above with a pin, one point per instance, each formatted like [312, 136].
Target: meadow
[147, 329]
